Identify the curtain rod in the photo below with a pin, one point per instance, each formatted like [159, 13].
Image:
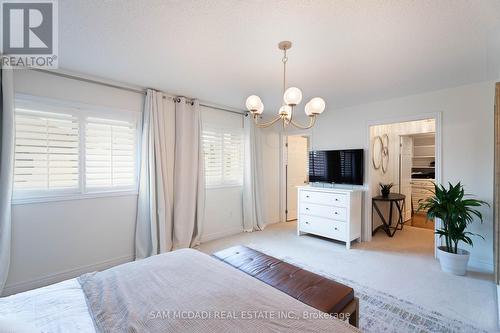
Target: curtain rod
[116, 86]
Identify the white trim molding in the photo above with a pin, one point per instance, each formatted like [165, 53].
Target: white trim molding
[221, 234]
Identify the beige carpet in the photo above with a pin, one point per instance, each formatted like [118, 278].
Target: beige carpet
[402, 266]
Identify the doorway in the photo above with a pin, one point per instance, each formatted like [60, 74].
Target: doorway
[411, 158]
[296, 171]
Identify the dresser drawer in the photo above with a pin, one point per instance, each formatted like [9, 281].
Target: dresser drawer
[322, 198]
[330, 212]
[323, 227]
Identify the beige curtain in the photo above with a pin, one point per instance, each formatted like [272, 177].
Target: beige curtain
[497, 185]
[189, 177]
[171, 185]
[252, 188]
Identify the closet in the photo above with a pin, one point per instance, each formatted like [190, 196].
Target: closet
[418, 172]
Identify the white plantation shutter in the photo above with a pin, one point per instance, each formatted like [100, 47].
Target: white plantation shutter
[69, 149]
[47, 151]
[110, 153]
[223, 151]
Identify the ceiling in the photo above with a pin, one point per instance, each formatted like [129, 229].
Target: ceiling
[349, 52]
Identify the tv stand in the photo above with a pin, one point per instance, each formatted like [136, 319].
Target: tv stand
[332, 212]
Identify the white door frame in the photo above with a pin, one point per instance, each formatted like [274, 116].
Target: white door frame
[284, 159]
[438, 117]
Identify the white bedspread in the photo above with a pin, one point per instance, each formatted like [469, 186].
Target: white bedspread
[184, 280]
[189, 291]
[58, 308]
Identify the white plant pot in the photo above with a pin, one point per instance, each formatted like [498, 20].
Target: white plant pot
[453, 263]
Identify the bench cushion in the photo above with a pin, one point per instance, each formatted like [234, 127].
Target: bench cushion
[312, 289]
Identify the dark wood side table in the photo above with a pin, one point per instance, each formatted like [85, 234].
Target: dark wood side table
[397, 199]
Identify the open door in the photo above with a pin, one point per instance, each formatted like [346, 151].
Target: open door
[405, 165]
[296, 172]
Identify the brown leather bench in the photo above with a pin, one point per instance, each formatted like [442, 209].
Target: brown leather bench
[309, 288]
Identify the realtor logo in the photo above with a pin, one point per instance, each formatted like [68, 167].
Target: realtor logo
[29, 33]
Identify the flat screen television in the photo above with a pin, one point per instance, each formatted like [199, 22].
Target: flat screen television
[336, 166]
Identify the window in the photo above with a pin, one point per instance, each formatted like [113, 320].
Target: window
[46, 152]
[223, 150]
[109, 153]
[62, 150]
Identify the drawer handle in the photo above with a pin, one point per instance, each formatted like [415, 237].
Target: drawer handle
[335, 228]
[307, 222]
[307, 196]
[336, 213]
[307, 208]
[336, 199]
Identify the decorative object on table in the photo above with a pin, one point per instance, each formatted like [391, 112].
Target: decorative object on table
[397, 199]
[385, 189]
[292, 96]
[456, 210]
[380, 152]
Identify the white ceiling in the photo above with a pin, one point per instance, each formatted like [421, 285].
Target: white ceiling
[349, 52]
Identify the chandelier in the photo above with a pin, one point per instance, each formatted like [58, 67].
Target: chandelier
[291, 98]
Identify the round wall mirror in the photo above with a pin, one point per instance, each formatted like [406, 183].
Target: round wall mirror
[377, 149]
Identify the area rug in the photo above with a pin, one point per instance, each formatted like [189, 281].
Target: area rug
[381, 312]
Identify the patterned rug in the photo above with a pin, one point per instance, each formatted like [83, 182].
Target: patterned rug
[381, 312]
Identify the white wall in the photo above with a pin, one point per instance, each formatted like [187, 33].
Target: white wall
[271, 156]
[56, 240]
[53, 241]
[224, 205]
[467, 141]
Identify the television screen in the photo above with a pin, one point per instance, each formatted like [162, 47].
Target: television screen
[336, 166]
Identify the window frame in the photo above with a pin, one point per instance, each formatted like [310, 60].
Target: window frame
[81, 111]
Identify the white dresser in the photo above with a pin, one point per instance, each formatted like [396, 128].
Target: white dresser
[330, 212]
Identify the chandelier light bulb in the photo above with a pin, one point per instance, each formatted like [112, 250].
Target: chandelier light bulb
[292, 96]
[286, 111]
[254, 103]
[260, 109]
[316, 106]
[307, 109]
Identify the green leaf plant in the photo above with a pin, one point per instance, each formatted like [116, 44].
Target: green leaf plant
[456, 210]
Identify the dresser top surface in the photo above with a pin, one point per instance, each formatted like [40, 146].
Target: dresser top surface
[336, 188]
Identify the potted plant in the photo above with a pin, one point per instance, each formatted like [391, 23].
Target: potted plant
[385, 189]
[456, 210]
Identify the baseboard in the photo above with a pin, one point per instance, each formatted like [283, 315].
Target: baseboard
[46, 280]
[220, 234]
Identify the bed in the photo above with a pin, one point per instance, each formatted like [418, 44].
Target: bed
[180, 291]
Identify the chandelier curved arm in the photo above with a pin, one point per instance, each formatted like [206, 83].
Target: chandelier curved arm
[266, 124]
[312, 121]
